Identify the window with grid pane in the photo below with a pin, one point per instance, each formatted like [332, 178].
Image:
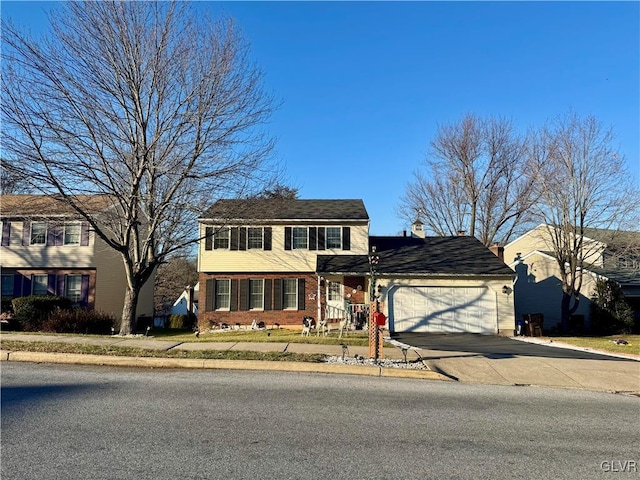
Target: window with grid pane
[39, 284]
[223, 294]
[334, 291]
[254, 237]
[333, 237]
[300, 237]
[38, 233]
[290, 293]
[256, 294]
[72, 234]
[221, 238]
[73, 287]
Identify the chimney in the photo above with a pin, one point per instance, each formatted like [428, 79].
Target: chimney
[461, 233]
[417, 230]
[497, 250]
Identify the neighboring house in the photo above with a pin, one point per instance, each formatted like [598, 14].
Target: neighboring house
[187, 301]
[538, 288]
[278, 260]
[47, 249]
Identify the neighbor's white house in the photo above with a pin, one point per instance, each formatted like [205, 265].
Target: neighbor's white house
[47, 249]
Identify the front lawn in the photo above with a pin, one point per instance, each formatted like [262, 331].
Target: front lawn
[604, 343]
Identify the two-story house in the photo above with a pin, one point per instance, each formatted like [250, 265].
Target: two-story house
[275, 261]
[47, 249]
[257, 259]
[607, 254]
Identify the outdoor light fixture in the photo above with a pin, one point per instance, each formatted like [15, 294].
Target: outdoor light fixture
[506, 290]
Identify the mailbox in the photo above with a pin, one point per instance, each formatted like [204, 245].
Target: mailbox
[379, 319]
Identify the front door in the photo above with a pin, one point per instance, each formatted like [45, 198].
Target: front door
[335, 300]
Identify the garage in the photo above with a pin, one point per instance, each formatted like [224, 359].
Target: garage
[443, 309]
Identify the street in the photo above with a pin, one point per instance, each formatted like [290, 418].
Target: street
[85, 422]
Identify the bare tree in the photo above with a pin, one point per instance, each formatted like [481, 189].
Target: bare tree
[583, 188]
[149, 103]
[176, 274]
[477, 181]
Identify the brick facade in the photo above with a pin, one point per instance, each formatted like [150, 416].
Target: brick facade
[271, 314]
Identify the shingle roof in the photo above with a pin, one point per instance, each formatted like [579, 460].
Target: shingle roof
[287, 209]
[417, 256]
[48, 205]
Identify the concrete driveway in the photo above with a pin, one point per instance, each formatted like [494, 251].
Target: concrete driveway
[505, 361]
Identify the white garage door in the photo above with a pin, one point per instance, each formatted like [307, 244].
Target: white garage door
[443, 310]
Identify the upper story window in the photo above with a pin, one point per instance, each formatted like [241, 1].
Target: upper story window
[300, 237]
[39, 284]
[221, 239]
[334, 237]
[254, 237]
[38, 233]
[72, 234]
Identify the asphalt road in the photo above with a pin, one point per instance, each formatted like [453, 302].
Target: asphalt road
[81, 422]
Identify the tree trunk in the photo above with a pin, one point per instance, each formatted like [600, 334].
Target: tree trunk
[128, 322]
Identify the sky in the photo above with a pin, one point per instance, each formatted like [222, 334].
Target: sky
[364, 86]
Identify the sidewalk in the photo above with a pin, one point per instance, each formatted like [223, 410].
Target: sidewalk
[612, 374]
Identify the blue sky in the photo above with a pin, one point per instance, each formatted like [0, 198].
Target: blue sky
[364, 85]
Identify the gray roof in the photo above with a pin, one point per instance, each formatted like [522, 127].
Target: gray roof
[410, 256]
[287, 209]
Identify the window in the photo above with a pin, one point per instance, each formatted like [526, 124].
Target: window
[38, 233]
[254, 237]
[334, 291]
[73, 288]
[72, 234]
[290, 293]
[300, 237]
[223, 294]
[7, 285]
[39, 285]
[256, 294]
[333, 237]
[221, 239]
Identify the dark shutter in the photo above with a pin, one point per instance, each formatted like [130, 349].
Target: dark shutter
[301, 294]
[60, 285]
[208, 238]
[51, 284]
[84, 234]
[17, 285]
[267, 294]
[233, 303]
[277, 294]
[84, 292]
[6, 233]
[26, 233]
[244, 294]
[313, 238]
[210, 295]
[267, 238]
[321, 235]
[287, 238]
[346, 238]
[54, 234]
[234, 238]
[243, 238]
[26, 285]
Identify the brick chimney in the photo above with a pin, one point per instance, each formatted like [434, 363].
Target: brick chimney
[497, 250]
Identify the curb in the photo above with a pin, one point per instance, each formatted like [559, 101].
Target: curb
[213, 364]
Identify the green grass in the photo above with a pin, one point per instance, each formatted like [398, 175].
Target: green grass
[357, 338]
[54, 347]
[604, 343]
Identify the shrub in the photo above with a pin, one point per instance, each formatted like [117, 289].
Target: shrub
[31, 312]
[79, 320]
[177, 321]
[610, 313]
